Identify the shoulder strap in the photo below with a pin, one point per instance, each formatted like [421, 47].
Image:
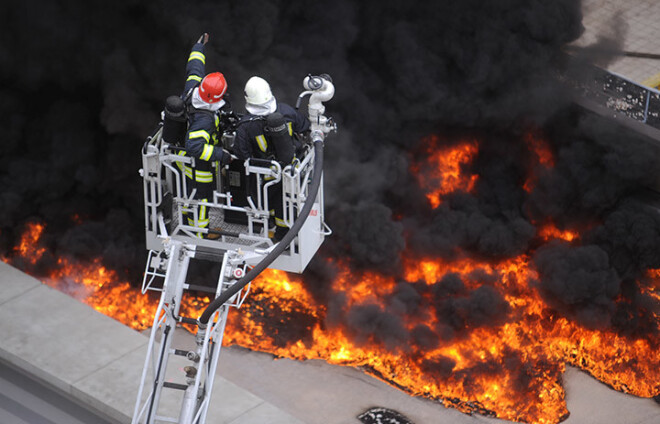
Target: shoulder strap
[251, 118]
[190, 109]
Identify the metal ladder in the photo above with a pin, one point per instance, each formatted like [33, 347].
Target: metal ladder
[171, 266]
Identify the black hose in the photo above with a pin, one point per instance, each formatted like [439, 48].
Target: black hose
[281, 246]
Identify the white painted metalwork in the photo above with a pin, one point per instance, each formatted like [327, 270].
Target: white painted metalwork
[172, 244]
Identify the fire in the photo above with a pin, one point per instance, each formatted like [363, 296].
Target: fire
[542, 158]
[102, 289]
[550, 231]
[540, 148]
[95, 285]
[472, 334]
[441, 170]
[28, 248]
[482, 371]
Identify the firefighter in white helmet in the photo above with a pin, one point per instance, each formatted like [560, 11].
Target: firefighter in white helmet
[270, 130]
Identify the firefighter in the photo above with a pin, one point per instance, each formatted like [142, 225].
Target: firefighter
[205, 100]
[269, 130]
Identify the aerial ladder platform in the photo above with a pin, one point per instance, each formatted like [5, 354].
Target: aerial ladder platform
[177, 383]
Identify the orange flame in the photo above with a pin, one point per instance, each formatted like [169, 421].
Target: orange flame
[441, 170]
[96, 285]
[542, 155]
[28, 247]
[484, 369]
[510, 368]
[550, 231]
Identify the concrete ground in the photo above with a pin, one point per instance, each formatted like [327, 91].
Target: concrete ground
[97, 361]
[634, 25]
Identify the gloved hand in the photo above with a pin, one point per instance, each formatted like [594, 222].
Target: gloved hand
[226, 158]
[204, 38]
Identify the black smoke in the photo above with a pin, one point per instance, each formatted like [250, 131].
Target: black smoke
[83, 84]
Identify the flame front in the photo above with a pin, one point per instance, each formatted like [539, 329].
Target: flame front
[512, 370]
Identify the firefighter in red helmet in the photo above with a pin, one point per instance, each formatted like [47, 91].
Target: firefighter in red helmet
[206, 101]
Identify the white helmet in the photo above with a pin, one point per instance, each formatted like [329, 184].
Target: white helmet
[257, 91]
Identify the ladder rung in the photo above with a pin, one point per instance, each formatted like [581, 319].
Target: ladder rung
[201, 288]
[175, 385]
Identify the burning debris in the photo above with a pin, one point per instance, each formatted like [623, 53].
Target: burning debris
[487, 232]
[383, 416]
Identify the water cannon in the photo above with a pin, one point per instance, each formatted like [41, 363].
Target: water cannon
[319, 89]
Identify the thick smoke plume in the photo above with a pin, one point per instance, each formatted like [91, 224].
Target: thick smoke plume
[83, 83]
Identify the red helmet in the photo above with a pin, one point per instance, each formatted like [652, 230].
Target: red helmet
[213, 87]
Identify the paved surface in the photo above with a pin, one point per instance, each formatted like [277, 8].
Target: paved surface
[26, 401]
[635, 27]
[97, 361]
[94, 359]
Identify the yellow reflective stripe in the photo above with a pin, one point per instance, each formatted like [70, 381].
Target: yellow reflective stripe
[197, 55]
[280, 222]
[194, 78]
[200, 223]
[288, 124]
[203, 176]
[207, 152]
[179, 164]
[261, 141]
[200, 133]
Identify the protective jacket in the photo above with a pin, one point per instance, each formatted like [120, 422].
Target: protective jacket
[202, 138]
[204, 126]
[251, 142]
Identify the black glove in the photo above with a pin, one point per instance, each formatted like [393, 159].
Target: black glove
[226, 158]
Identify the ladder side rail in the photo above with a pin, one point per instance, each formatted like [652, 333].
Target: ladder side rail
[172, 290]
[159, 318]
[217, 331]
[159, 369]
[190, 405]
